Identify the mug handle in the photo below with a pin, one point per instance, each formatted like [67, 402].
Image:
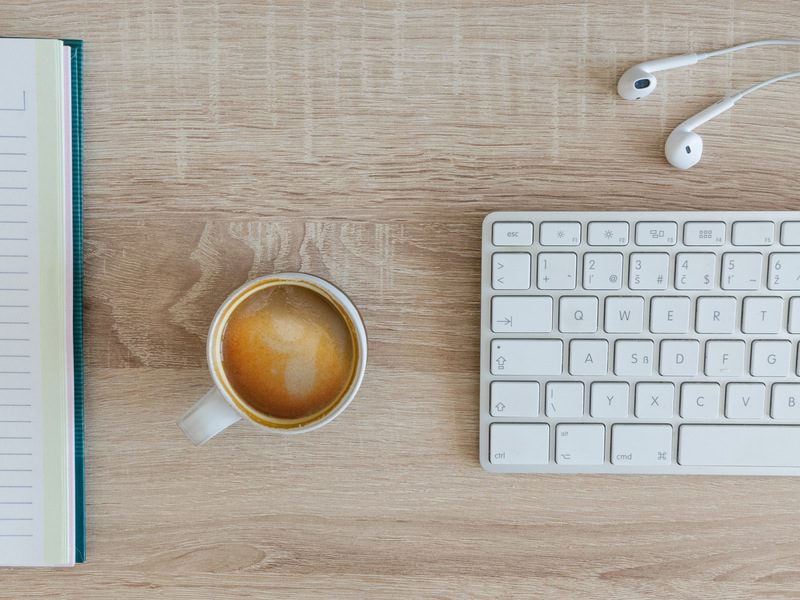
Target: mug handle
[209, 415]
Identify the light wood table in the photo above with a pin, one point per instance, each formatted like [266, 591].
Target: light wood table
[364, 142]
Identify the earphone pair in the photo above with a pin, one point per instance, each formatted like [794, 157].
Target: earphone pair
[684, 147]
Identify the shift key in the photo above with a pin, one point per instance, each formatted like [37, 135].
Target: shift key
[526, 357]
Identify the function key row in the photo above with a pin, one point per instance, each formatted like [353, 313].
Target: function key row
[646, 233]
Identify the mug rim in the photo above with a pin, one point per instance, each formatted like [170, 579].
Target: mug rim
[319, 285]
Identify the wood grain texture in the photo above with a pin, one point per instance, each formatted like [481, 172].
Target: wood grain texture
[364, 142]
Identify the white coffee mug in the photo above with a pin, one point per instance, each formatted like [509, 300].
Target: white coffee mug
[222, 406]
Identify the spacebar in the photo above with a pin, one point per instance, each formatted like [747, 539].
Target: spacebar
[739, 445]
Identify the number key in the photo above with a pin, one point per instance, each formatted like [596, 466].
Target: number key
[741, 271]
[784, 271]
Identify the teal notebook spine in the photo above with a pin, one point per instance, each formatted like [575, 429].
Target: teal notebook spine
[76, 63]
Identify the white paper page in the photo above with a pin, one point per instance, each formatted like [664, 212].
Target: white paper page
[21, 444]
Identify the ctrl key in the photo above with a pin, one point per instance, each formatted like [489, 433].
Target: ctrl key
[519, 444]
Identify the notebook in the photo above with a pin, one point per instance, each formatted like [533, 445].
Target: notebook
[41, 399]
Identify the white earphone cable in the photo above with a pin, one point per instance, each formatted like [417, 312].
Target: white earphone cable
[746, 45]
[739, 95]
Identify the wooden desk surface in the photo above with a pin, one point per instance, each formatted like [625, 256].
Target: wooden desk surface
[364, 142]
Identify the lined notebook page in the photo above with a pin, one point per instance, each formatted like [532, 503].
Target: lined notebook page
[34, 429]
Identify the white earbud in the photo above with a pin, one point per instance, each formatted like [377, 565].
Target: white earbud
[639, 81]
[684, 147]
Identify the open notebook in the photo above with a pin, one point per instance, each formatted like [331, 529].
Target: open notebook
[41, 399]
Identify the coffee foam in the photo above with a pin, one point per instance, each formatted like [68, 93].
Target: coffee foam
[288, 352]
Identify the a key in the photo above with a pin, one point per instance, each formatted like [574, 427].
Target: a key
[786, 402]
[577, 314]
[745, 400]
[580, 444]
[588, 357]
[514, 399]
[633, 358]
[609, 400]
[762, 315]
[741, 271]
[700, 401]
[564, 399]
[793, 326]
[519, 444]
[602, 271]
[739, 445]
[656, 233]
[679, 358]
[624, 314]
[522, 314]
[695, 271]
[716, 315]
[556, 271]
[512, 234]
[701, 233]
[724, 358]
[648, 271]
[669, 314]
[784, 271]
[511, 270]
[560, 234]
[608, 233]
[654, 400]
[790, 233]
[753, 233]
[770, 358]
[649, 445]
[526, 357]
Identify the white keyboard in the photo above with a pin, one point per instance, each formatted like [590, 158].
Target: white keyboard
[640, 342]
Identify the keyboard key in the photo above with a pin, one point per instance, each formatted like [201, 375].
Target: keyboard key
[770, 358]
[578, 314]
[649, 445]
[602, 271]
[519, 444]
[580, 444]
[560, 234]
[790, 233]
[753, 233]
[741, 271]
[700, 401]
[716, 315]
[695, 271]
[669, 314]
[512, 234]
[557, 271]
[724, 358]
[679, 358]
[702, 233]
[588, 357]
[564, 399]
[739, 445]
[522, 314]
[784, 271]
[624, 314]
[649, 271]
[745, 400]
[793, 325]
[511, 271]
[526, 357]
[609, 400]
[654, 400]
[762, 315]
[786, 401]
[656, 233]
[633, 358]
[608, 233]
[514, 399]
